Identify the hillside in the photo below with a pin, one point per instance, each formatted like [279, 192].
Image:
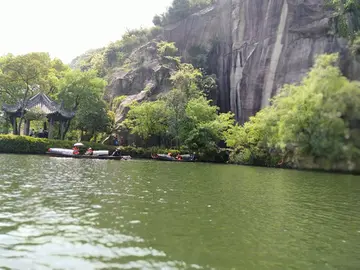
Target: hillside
[253, 47]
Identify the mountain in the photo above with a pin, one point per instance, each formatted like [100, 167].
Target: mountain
[252, 46]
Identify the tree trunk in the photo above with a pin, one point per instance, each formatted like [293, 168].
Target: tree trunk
[19, 126]
[14, 125]
[67, 126]
[23, 104]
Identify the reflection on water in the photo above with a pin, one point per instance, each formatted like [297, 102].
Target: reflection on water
[92, 214]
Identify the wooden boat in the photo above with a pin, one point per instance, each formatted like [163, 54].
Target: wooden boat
[184, 158]
[68, 153]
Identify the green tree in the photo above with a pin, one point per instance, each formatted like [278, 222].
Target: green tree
[317, 118]
[167, 49]
[185, 87]
[148, 119]
[186, 79]
[157, 21]
[92, 117]
[205, 127]
[83, 92]
[176, 101]
[23, 76]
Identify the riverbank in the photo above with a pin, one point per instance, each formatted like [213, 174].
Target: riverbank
[13, 144]
[294, 162]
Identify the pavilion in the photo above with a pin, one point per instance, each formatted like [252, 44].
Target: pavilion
[40, 102]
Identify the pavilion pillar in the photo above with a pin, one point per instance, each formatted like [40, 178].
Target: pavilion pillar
[26, 127]
[62, 129]
[51, 128]
[14, 125]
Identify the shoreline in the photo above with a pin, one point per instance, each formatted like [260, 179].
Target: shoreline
[337, 172]
[25, 145]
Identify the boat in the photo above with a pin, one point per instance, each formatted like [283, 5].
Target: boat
[68, 153]
[184, 158]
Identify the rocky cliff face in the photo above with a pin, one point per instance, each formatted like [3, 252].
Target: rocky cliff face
[256, 46]
[253, 46]
[145, 77]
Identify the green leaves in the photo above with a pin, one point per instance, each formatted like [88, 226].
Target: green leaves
[347, 14]
[167, 49]
[83, 92]
[22, 76]
[147, 119]
[184, 115]
[316, 118]
[179, 10]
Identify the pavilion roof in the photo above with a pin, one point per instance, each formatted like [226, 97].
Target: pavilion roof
[43, 103]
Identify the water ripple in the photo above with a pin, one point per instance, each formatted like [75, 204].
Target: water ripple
[85, 214]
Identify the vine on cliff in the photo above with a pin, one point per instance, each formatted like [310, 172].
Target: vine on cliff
[347, 20]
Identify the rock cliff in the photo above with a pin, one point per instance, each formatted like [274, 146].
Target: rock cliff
[144, 77]
[253, 46]
[256, 46]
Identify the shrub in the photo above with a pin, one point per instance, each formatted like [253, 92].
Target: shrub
[28, 145]
[317, 118]
[14, 144]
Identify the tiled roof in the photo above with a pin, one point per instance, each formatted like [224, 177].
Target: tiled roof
[42, 102]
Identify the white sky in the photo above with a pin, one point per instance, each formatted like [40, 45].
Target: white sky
[68, 28]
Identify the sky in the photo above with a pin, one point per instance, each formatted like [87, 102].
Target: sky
[68, 28]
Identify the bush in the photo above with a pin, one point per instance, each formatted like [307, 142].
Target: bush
[14, 144]
[317, 119]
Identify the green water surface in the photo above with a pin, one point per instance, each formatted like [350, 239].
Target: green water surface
[58, 213]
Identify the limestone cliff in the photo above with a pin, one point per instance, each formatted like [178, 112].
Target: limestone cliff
[258, 45]
[144, 77]
[253, 46]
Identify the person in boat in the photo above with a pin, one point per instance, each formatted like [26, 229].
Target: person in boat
[89, 152]
[76, 150]
[169, 154]
[179, 157]
[117, 153]
[116, 141]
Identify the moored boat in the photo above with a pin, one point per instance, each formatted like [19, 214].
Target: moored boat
[179, 158]
[68, 153]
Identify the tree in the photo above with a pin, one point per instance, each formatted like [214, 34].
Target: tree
[166, 49]
[176, 101]
[318, 118]
[92, 117]
[186, 79]
[183, 115]
[23, 76]
[83, 92]
[157, 21]
[205, 127]
[180, 9]
[148, 119]
[4, 124]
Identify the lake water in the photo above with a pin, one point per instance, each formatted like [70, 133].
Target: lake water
[60, 213]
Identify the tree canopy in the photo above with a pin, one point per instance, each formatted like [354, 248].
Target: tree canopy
[318, 118]
[23, 76]
[183, 115]
[179, 10]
